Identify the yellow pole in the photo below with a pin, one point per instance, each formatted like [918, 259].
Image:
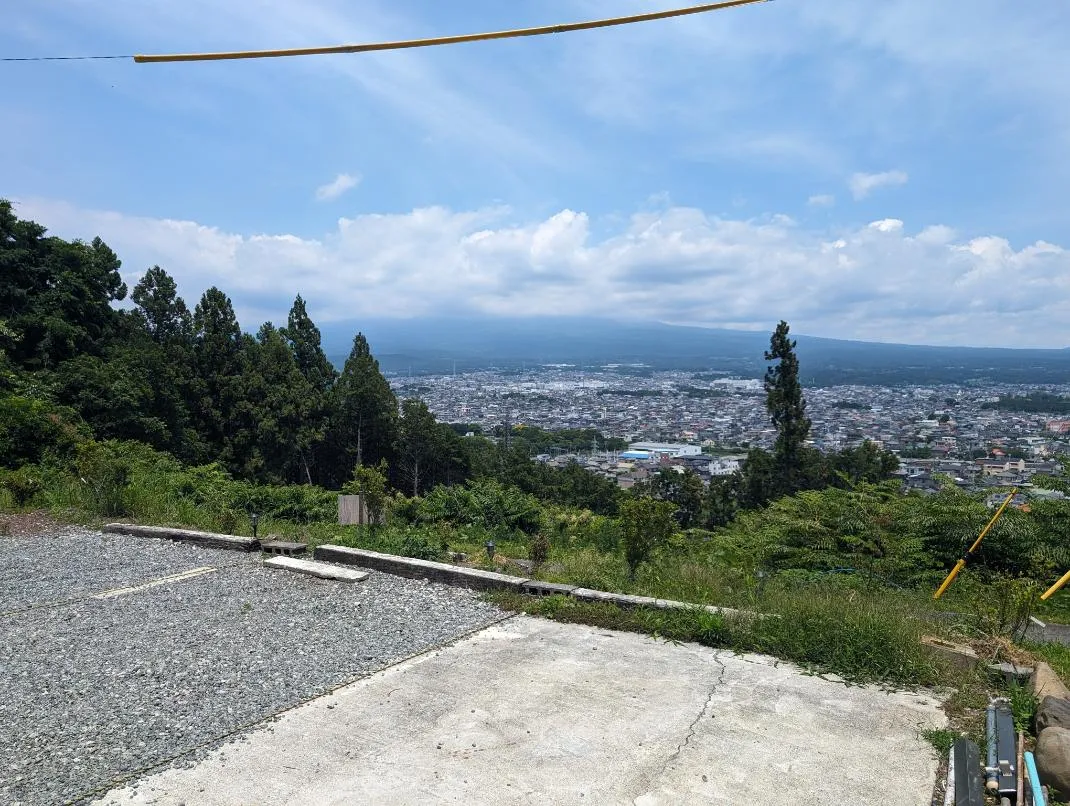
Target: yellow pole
[962, 563]
[1054, 588]
[445, 40]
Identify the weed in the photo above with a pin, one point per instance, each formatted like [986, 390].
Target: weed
[1023, 706]
[940, 738]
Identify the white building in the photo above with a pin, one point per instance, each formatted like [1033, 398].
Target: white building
[656, 449]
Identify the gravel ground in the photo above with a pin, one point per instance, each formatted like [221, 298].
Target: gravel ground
[98, 689]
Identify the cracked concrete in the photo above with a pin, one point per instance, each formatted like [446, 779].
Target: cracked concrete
[531, 711]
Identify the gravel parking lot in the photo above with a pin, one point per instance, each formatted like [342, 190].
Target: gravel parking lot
[97, 690]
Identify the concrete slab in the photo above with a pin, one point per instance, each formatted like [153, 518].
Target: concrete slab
[419, 569]
[532, 711]
[206, 539]
[315, 569]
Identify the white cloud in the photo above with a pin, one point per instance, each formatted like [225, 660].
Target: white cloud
[821, 200]
[862, 184]
[877, 281]
[341, 183]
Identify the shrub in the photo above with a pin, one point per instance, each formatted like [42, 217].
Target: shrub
[645, 523]
[22, 484]
[104, 468]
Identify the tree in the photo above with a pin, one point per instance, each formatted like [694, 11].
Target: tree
[722, 500]
[219, 360]
[304, 339]
[419, 448]
[787, 410]
[55, 296]
[682, 489]
[162, 313]
[277, 399]
[364, 411]
[867, 462]
[645, 523]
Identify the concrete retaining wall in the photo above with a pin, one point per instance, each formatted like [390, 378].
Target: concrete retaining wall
[419, 569]
[207, 539]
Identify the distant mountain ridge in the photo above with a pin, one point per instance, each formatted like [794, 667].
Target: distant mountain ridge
[434, 345]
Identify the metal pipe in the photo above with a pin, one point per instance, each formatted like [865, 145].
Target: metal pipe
[1062, 581]
[976, 543]
[1020, 799]
[1034, 780]
[991, 772]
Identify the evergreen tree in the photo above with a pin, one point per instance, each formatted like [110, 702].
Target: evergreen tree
[161, 311]
[219, 359]
[787, 410]
[304, 339]
[419, 447]
[319, 376]
[364, 413]
[55, 295]
[276, 400]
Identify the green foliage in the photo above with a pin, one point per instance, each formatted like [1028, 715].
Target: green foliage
[1023, 706]
[484, 503]
[861, 640]
[787, 411]
[370, 483]
[534, 440]
[941, 739]
[22, 484]
[33, 430]
[364, 411]
[1033, 402]
[644, 524]
[866, 528]
[105, 468]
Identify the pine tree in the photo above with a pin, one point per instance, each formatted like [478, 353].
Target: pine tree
[787, 410]
[364, 413]
[161, 311]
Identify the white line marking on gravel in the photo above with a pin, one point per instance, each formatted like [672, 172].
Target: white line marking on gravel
[193, 572]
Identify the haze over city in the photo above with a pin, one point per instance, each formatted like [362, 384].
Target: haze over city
[856, 170]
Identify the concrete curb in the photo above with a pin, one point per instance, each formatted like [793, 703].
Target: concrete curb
[207, 539]
[490, 580]
[419, 569]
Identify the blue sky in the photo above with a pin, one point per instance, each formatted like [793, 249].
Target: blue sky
[892, 171]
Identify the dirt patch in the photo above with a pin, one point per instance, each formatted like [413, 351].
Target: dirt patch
[27, 524]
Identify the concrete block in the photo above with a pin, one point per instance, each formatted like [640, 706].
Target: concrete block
[959, 654]
[534, 587]
[316, 569]
[419, 569]
[206, 539]
[1046, 683]
[283, 547]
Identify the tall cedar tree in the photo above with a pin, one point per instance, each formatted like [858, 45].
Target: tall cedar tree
[787, 410]
[420, 448]
[304, 340]
[364, 414]
[219, 354]
[279, 399]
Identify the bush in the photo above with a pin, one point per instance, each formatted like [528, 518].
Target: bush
[22, 484]
[104, 468]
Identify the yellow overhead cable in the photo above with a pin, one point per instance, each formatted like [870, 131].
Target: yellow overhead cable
[444, 40]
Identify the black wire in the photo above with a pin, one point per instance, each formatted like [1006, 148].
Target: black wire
[56, 58]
